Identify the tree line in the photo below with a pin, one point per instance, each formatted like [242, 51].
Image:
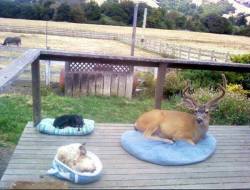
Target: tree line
[172, 14]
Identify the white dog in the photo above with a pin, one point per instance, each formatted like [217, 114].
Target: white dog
[74, 156]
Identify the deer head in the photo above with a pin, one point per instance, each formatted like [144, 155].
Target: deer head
[201, 112]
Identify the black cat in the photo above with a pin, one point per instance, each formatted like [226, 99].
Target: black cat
[63, 121]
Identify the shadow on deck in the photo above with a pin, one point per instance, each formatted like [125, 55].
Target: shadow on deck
[229, 167]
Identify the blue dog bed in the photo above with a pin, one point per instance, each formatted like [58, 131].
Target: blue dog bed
[62, 171]
[46, 126]
[157, 152]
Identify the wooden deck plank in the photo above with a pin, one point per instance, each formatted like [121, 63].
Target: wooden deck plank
[229, 167]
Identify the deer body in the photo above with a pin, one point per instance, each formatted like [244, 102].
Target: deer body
[12, 40]
[168, 126]
[171, 125]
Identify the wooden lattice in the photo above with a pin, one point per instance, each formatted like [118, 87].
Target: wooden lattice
[78, 67]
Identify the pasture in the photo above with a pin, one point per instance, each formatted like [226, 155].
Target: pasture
[221, 43]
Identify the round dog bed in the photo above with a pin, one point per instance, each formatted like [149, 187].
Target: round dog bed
[62, 171]
[46, 126]
[157, 152]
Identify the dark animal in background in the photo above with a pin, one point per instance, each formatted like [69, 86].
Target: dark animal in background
[12, 40]
[63, 121]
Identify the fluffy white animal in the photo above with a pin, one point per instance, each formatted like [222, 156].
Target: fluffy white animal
[74, 156]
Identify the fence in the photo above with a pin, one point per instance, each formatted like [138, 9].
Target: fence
[146, 43]
[176, 51]
[93, 78]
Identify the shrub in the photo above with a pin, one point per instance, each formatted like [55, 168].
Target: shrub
[201, 78]
[236, 88]
[243, 78]
[174, 83]
[147, 84]
[234, 108]
[245, 58]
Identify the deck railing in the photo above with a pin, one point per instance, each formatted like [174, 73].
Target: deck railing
[33, 56]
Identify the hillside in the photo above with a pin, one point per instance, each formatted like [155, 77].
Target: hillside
[218, 42]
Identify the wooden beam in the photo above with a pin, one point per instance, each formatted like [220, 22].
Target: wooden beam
[12, 71]
[160, 85]
[36, 95]
[146, 62]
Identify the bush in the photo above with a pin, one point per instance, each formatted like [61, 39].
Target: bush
[174, 83]
[245, 58]
[234, 108]
[201, 78]
[236, 88]
[147, 84]
[217, 24]
[243, 78]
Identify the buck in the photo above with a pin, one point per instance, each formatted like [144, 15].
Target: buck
[169, 126]
[12, 40]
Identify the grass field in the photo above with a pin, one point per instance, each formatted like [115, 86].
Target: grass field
[76, 44]
[86, 45]
[16, 110]
[222, 43]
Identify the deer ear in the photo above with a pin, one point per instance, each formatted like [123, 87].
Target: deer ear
[189, 104]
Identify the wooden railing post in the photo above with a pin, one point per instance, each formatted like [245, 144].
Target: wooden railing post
[36, 95]
[160, 85]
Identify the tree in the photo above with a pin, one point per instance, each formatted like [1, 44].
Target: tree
[177, 18]
[241, 20]
[63, 13]
[77, 14]
[115, 11]
[245, 31]
[92, 11]
[156, 19]
[194, 23]
[128, 8]
[219, 8]
[217, 24]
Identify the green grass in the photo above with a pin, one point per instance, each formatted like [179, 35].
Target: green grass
[16, 110]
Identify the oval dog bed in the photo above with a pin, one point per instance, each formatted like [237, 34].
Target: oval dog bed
[157, 152]
[62, 171]
[46, 126]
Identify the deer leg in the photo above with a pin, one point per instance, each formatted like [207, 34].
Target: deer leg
[149, 134]
[190, 141]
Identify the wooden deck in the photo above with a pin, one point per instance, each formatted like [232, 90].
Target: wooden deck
[228, 168]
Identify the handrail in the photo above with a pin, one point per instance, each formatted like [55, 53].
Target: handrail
[33, 56]
[145, 62]
[11, 72]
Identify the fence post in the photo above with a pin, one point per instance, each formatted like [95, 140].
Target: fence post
[47, 73]
[173, 51]
[189, 51]
[180, 51]
[212, 55]
[36, 95]
[199, 55]
[159, 85]
[227, 57]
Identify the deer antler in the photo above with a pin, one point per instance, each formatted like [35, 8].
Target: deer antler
[216, 99]
[188, 97]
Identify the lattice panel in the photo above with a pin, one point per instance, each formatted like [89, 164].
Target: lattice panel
[78, 67]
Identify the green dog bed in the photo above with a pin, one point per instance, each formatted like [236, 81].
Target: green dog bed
[46, 126]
